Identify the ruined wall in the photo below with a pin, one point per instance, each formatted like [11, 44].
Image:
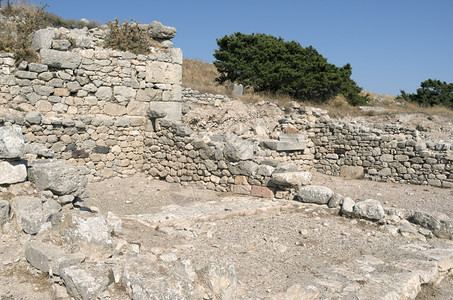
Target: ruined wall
[87, 104]
[385, 152]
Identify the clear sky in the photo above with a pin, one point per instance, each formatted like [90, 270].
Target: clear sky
[392, 45]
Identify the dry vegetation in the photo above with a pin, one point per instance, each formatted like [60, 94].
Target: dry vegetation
[201, 76]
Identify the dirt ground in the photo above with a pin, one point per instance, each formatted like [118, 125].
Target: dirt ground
[277, 250]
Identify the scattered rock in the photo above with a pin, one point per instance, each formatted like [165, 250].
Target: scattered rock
[369, 209]
[314, 194]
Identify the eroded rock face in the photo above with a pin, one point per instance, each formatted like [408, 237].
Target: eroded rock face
[57, 177]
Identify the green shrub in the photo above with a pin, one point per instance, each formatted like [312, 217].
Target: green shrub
[431, 92]
[129, 37]
[270, 64]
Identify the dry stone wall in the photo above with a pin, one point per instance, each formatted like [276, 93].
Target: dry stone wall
[387, 152]
[89, 105]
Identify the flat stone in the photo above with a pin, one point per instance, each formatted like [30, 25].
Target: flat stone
[172, 110]
[352, 172]
[261, 191]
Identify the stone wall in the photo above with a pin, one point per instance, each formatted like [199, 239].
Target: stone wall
[89, 105]
[386, 152]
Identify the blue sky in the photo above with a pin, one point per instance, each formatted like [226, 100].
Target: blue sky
[392, 45]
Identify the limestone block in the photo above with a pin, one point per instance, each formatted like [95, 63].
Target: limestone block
[163, 72]
[124, 93]
[291, 179]
[56, 176]
[137, 108]
[12, 142]
[31, 223]
[261, 191]
[171, 109]
[440, 225]
[113, 109]
[149, 94]
[60, 59]
[351, 172]
[42, 39]
[87, 281]
[33, 117]
[12, 172]
[104, 93]
[43, 90]
[238, 149]
[43, 106]
[314, 194]
[84, 232]
[369, 209]
[145, 279]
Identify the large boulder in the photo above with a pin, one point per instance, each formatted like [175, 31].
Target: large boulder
[43, 38]
[314, 194]
[84, 232]
[12, 142]
[57, 177]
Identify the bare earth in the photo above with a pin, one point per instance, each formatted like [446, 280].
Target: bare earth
[281, 247]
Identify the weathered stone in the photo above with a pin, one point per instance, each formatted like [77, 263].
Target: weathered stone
[440, 225]
[159, 31]
[352, 172]
[49, 258]
[219, 278]
[42, 39]
[241, 189]
[61, 45]
[33, 117]
[291, 179]
[56, 176]
[297, 292]
[87, 281]
[148, 95]
[38, 68]
[84, 232]
[12, 172]
[261, 191]
[163, 72]
[124, 93]
[25, 205]
[113, 109]
[145, 279]
[238, 89]
[172, 110]
[12, 142]
[314, 194]
[335, 201]
[60, 59]
[31, 223]
[238, 149]
[369, 209]
[4, 212]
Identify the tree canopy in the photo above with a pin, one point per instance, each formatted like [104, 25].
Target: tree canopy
[270, 64]
[432, 92]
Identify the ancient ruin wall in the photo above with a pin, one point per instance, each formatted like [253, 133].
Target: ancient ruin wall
[387, 152]
[87, 104]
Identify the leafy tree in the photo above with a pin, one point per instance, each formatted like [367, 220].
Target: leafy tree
[271, 64]
[432, 92]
